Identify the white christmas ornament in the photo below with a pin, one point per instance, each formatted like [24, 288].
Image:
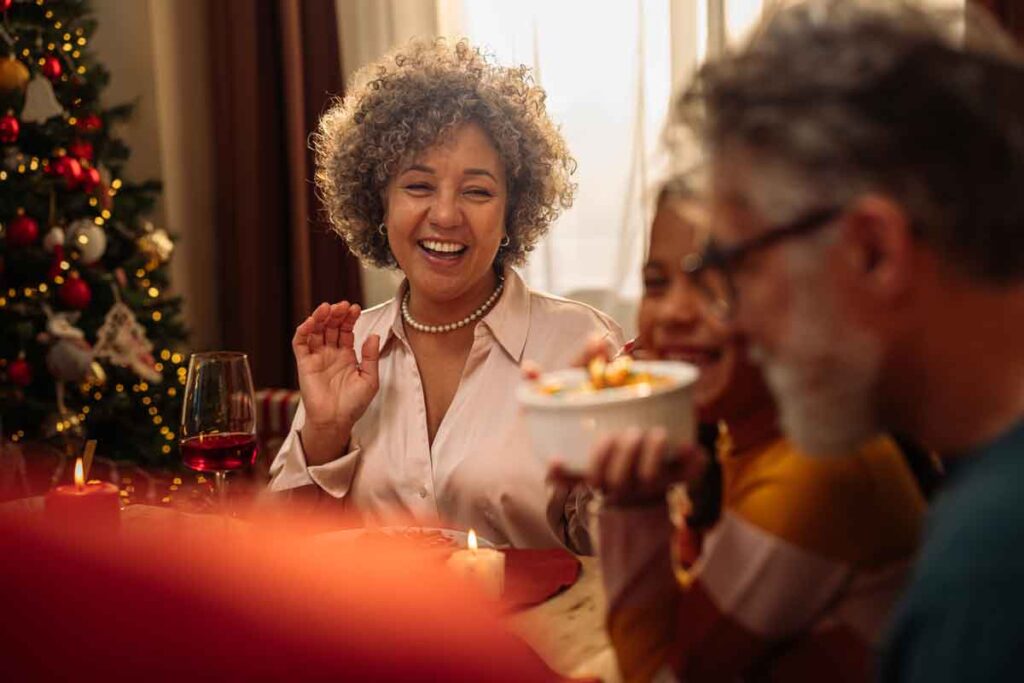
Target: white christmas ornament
[54, 238]
[122, 340]
[40, 102]
[70, 358]
[89, 239]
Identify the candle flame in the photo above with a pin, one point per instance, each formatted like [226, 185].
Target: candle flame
[471, 540]
[79, 474]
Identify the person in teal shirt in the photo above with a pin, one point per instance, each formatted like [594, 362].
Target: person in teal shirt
[866, 189]
[961, 619]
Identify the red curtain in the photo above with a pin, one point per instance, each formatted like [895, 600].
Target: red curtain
[1009, 12]
[276, 66]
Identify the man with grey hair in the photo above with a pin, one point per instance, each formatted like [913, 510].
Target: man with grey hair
[867, 192]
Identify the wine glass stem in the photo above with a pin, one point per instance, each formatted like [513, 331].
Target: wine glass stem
[220, 483]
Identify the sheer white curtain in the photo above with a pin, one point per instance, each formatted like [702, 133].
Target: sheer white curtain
[609, 70]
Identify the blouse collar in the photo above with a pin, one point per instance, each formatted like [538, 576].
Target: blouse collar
[508, 321]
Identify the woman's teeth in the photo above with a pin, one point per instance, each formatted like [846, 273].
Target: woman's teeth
[443, 247]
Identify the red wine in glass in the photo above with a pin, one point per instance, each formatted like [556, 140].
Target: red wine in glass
[218, 419]
[219, 452]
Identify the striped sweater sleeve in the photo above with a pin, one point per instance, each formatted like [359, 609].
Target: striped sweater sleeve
[749, 592]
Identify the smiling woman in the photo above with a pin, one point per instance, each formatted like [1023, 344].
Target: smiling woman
[447, 167]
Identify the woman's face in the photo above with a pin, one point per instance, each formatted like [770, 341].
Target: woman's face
[675, 323]
[445, 215]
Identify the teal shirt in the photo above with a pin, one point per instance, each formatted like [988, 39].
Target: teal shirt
[962, 618]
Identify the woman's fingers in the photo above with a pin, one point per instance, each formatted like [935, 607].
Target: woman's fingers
[303, 341]
[371, 358]
[600, 455]
[652, 466]
[334, 321]
[300, 340]
[621, 474]
[346, 338]
[632, 465]
[319, 318]
[560, 476]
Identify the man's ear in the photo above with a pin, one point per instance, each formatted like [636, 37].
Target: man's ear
[877, 243]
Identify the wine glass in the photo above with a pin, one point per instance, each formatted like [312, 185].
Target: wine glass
[218, 419]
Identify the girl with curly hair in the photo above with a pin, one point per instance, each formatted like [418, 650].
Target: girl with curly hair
[446, 166]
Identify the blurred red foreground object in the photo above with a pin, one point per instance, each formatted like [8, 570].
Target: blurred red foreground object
[240, 605]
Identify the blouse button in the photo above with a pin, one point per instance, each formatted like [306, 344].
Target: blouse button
[423, 492]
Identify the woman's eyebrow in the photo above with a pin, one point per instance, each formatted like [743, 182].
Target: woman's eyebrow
[480, 171]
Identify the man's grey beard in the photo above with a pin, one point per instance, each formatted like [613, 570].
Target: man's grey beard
[824, 374]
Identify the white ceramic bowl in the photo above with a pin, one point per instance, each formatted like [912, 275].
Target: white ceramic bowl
[564, 426]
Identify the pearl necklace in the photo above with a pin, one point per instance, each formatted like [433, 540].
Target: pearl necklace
[436, 329]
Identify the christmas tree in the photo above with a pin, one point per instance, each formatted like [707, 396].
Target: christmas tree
[90, 343]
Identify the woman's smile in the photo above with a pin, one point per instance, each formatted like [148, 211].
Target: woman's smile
[443, 253]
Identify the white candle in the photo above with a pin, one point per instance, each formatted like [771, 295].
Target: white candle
[483, 567]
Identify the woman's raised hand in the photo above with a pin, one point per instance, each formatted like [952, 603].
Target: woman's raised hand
[336, 386]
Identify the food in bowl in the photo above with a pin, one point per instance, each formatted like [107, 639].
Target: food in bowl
[603, 375]
[567, 411]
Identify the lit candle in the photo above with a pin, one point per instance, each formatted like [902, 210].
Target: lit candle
[483, 567]
[90, 505]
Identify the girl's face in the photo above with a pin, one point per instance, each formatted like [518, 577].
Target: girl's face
[675, 322]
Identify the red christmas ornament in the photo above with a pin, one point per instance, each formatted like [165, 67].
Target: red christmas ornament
[20, 372]
[75, 293]
[90, 180]
[22, 231]
[9, 128]
[67, 168]
[5, 5]
[52, 68]
[80, 149]
[90, 123]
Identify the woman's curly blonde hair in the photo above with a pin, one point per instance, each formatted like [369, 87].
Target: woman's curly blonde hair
[411, 100]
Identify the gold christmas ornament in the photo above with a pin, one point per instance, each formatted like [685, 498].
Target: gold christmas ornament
[14, 75]
[157, 247]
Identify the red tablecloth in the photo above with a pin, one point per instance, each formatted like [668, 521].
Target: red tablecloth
[533, 576]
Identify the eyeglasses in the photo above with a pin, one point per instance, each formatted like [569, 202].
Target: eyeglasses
[713, 270]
